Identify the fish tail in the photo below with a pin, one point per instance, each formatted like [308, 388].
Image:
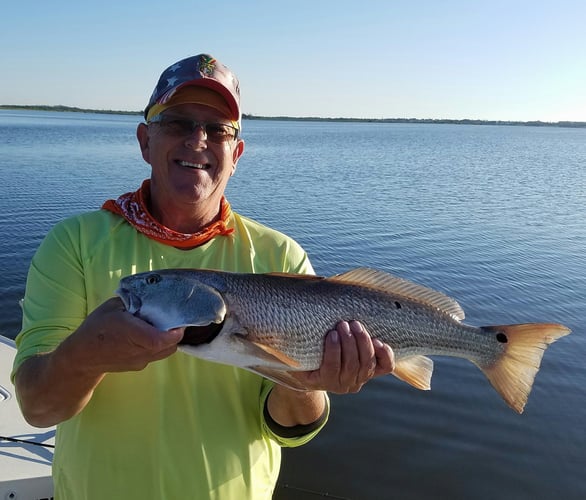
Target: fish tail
[512, 373]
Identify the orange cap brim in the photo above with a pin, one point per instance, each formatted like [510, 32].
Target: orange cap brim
[194, 95]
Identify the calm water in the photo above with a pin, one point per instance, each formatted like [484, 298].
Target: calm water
[493, 216]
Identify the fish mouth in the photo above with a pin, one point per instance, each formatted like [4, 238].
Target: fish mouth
[197, 335]
[131, 302]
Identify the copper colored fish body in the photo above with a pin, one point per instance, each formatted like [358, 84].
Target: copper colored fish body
[273, 324]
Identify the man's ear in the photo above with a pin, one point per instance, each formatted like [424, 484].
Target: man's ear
[142, 134]
[237, 153]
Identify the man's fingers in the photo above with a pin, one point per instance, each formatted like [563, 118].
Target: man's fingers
[385, 358]
[350, 367]
[366, 352]
[332, 360]
[351, 359]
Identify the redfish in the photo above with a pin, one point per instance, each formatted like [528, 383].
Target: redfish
[273, 324]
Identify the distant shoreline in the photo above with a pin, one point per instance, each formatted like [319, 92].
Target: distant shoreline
[318, 119]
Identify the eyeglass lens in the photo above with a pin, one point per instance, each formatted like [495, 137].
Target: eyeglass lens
[215, 132]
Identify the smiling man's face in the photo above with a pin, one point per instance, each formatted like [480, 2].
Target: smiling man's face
[189, 169]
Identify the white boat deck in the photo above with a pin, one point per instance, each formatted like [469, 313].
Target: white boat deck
[25, 464]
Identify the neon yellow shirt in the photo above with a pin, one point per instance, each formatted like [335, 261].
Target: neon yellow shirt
[182, 427]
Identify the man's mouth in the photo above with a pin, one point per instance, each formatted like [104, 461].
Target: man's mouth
[197, 166]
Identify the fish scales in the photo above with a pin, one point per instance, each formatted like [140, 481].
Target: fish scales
[277, 309]
[275, 324]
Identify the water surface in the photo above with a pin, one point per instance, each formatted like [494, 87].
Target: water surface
[491, 215]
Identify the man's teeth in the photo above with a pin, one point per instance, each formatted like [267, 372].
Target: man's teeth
[192, 165]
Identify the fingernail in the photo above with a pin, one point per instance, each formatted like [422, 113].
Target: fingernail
[334, 337]
[377, 343]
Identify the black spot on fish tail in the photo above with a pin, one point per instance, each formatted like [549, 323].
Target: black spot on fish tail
[502, 338]
[196, 335]
[397, 305]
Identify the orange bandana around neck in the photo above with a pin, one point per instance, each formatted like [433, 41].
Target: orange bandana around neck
[133, 207]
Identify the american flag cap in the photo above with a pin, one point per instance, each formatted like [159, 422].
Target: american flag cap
[201, 71]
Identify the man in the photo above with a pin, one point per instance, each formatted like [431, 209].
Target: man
[135, 418]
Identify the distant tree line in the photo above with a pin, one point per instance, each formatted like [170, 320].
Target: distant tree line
[246, 116]
[71, 109]
[420, 120]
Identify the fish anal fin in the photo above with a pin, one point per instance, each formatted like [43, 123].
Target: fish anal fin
[380, 280]
[513, 373]
[415, 370]
[272, 354]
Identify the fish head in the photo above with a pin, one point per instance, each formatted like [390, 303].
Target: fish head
[170, 299]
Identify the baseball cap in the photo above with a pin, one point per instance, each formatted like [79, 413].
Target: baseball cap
[201, 71]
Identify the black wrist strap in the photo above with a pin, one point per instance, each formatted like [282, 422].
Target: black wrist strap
[296, 430]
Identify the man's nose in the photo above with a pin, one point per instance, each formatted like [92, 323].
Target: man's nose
[197, 138]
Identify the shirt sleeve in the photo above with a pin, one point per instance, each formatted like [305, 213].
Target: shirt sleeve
[55, 298]
[289, 442]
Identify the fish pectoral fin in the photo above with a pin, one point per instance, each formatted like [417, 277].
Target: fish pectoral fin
[269, 354]
[415, 370]
[279, 376]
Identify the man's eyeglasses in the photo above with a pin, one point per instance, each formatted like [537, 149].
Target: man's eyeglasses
[184, 127]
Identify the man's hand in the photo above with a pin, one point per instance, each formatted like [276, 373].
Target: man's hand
[55, 386]
[112, 340]
[351, 358]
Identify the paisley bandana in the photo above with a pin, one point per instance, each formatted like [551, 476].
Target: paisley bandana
[133, 207]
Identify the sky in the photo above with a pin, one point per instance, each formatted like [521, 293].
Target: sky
[514, 60]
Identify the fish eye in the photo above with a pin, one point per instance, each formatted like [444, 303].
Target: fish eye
[151, 279]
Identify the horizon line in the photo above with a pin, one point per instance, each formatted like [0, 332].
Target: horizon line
[250, 116]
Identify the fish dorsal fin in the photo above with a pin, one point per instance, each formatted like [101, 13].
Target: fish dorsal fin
[386, 282]
[310, 277]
